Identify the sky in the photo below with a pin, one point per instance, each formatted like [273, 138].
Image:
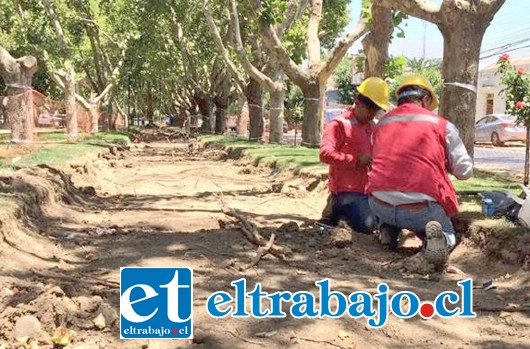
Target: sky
[510, 26]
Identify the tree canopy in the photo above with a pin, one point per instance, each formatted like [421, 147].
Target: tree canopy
[193, 60]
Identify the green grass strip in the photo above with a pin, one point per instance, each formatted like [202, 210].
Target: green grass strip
[62, 152]
[307, 160]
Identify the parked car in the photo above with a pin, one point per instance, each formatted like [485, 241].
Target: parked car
[498, 129]
[46, 119]
[333, 113]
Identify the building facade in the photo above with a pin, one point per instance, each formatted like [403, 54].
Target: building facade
[489, 87]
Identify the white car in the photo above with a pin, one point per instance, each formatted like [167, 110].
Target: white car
[46, 119]
[499, 128]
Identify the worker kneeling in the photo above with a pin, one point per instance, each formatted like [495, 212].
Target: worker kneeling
[347, 148]
[413, 150]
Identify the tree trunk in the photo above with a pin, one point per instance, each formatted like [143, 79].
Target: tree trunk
[181, 117]
[276, 116]
[222, 101]
[220, 119]
[205, 108]
[120, 117]
[126, 120]
[375, 44]
[254, 94]
[105, 121]
[187, 124]
[94, 118]
[314, 99]
[20, 114]
[184, 120]
[149, 112]
[112, 117]
[17, 75]
[462, 41]
[242, 117]
[70, 106]
[3, 112]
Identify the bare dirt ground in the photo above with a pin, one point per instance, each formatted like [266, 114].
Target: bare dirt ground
[157, 205]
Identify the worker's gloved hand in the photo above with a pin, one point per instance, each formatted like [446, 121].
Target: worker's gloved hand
[364, 160]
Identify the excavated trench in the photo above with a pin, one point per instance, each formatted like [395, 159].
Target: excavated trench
[65, 233]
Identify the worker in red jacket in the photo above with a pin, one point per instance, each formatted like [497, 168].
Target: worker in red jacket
[413, 150]
[346, 147]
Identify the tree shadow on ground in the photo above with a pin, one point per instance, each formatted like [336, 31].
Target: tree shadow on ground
[216, 254]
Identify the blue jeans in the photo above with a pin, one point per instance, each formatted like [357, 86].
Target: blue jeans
[415, 219]
[355, 210]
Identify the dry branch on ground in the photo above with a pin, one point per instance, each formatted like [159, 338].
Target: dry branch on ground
[252, 235]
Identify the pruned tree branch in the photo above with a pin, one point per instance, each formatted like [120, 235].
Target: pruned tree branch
[214, 31]
[375, 44]
[262, 251]
[19, 10]
[343, 45]
[96, 25]
[295, 10]
[423, 9]
[313, 41]
[58, 77]
[278, 51]
[189, 68]
[57, 26]
[91, 81]
[255, 73]
[113, 77]
[6, 61]
[488, 7]
[16, 72]
[250, 231]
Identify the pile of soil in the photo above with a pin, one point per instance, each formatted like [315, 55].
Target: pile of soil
[169, 135]
[34, 306]
[40, 311]
[505, 243]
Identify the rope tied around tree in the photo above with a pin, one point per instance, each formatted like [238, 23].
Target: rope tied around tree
[22, 87]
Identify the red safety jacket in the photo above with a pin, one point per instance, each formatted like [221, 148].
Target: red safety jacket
[344, 140]
[409, 155]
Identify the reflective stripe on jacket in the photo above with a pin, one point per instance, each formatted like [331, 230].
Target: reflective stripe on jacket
[409, 155]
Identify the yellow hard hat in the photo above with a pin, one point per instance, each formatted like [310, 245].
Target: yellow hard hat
[377, 90]
[420, 81]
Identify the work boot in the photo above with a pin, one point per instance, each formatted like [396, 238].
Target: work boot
[435, 250]
[389, 236]
[325, 224]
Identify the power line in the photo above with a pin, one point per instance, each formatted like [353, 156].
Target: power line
[507, 45]
[509, 36]
[522, 35]
[499, 28]
[505, 51]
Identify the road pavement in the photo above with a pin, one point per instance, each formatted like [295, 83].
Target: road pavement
[508, 158]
